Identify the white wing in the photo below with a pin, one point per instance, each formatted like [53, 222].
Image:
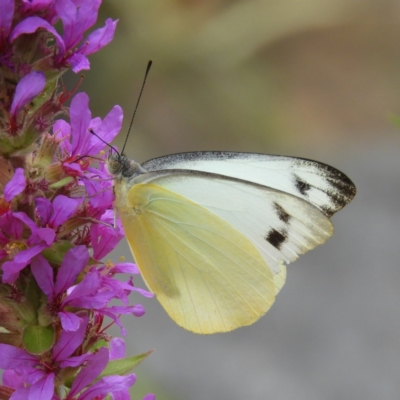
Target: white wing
[279, 224]
[321, 185]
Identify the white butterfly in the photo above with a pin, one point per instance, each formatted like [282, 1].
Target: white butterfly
[211, 232]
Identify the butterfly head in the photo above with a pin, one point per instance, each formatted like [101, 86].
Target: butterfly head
[121, 167]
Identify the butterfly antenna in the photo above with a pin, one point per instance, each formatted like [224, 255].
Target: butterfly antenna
[137, 103]
[98, 137]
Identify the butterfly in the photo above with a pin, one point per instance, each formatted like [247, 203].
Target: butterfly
[212, 232]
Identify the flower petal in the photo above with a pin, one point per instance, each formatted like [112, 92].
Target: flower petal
[43, 389]
[69, 321]
[62, 131]
[150, 396]
[89, 285]
[75, 361]
[21, 260]
[12, 357]
[96, 302]
[99, 191]
[107, 130]
[31, 25]
[44, 208]
[108, 384]
[69, 342]
[63, 208]
[42, 236]
[80, 116]
[125, 268]
[76, 20]
[74, 261]
[43, 274]
[20, 394]
[117, 348]
[11, 225]
[90, 371]
[26, 220]
[11, 271]
[25, 256]
[16, 186]
[104, 238]
[12, 380]
[99, 38]
[28, 87]
[79, 62]
[143, 292]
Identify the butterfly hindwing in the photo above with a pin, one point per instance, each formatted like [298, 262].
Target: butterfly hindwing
[208, 276]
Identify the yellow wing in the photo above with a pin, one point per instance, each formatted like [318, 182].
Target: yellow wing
[207, 275]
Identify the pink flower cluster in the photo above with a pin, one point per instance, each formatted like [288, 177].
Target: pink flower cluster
[56, 215]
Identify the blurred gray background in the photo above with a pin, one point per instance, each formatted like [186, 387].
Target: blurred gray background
[318, 79]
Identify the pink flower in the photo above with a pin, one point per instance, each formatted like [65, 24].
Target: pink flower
[20, 251]
[76, 20]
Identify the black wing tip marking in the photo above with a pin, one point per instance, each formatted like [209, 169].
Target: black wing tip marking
[276, 238]
[341, 189]
[343, 192]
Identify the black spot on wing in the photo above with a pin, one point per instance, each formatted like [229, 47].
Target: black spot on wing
[276, 238]
[282, 214]
[302, 186]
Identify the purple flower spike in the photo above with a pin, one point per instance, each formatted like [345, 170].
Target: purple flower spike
[28, 87]
[16, 185]
[150, 396]
[56, 213]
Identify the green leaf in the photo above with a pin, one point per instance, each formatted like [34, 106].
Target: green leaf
[123, 365]
[38, 339]
[55, 254]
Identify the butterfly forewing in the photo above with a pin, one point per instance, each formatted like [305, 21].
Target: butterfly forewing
[323, 186]
[208, 276]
